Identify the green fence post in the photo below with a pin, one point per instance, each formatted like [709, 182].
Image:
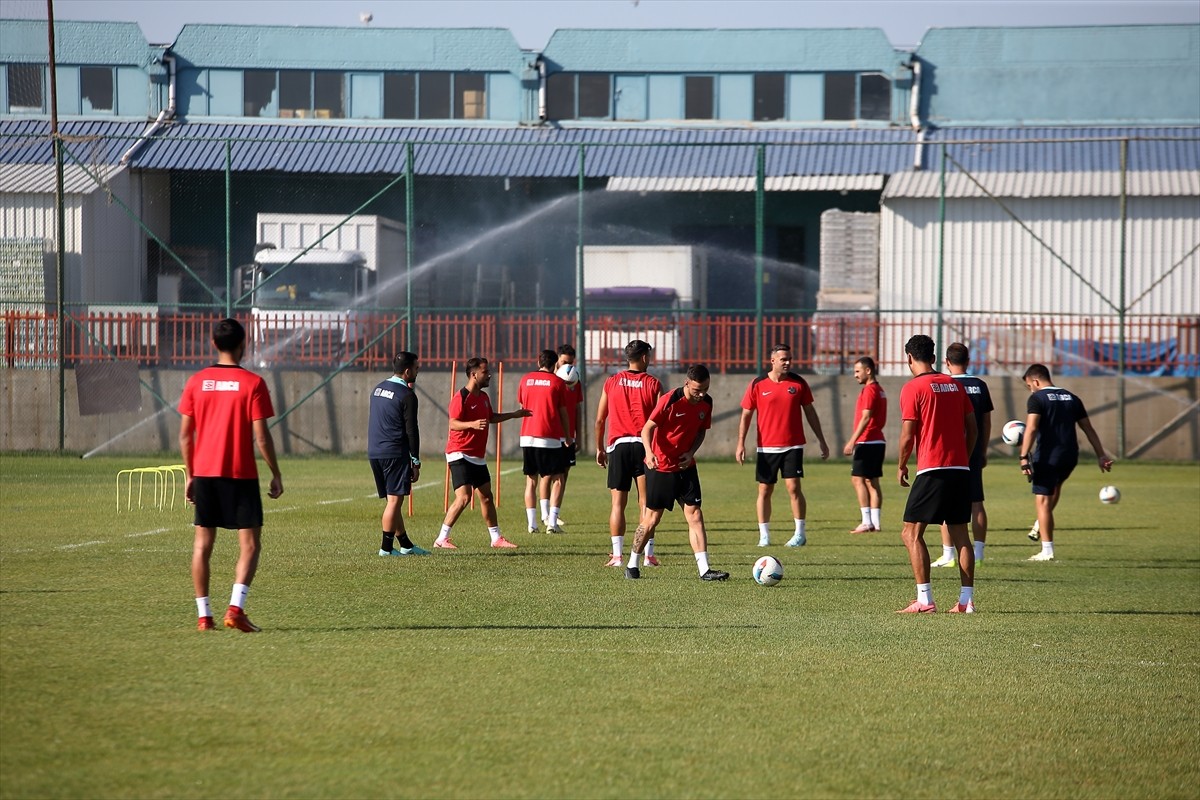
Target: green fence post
[760, 172]
[410, 328]
[1121, 308]
[941, 268]
[228, 229]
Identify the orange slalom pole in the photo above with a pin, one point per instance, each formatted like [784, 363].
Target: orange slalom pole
[446, 479]
[500, 405]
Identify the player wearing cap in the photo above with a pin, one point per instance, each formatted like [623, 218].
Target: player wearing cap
[625, 404]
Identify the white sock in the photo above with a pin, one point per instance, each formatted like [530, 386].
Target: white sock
[649, 547]
[618, 543]
[924, 594]
[866, 515]
[764, 531]
[702, 562]
[799, 525]
[553, 518]
[444, 534]
[531, 515]
[966, 595]
[875, 517]
[544, 505]
[1048, 547]
[979, 550]
[238, 598]
[634, 559]
[202, 608]
[948, 551]
[494, 533]
[1037, 526]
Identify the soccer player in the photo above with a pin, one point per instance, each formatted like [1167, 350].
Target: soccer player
[627, 399]
[958, 361]
[866, 444]
[466, 447]
[1050, 447]
[545, 439]
[938, 422]
[566, 356]
[394, 450]
[782, 399]
[224, 411]
[671, 436]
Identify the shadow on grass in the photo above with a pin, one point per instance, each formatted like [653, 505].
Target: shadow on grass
[1101, 613]
[485, 627]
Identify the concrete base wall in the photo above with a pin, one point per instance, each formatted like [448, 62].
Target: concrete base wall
[1162, 417]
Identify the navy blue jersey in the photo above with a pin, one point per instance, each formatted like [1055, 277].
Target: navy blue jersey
[392, 426]
[981, 401]
[1059, 412]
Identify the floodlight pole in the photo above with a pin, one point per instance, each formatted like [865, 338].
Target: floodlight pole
[60, 225]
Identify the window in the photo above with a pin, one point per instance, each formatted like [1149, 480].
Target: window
[560, 96]
[768, 96]
[258, 90]
[433, 95]
[295, 93]
[399, 95]
[329, 98]
[25, 87]
[839, 95]
[853, 96]
[874, 97]
[595, 92]
[469, 96]
[96, 88]
[698, 97]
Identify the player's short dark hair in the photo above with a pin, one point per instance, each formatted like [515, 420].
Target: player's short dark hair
[697, 373]
[636, 349]
[227, 335]
[869, 363]
[958, 354]
[1039, 371]
[547, 359]
[474, 364]
[921, 348]
[566, 350]
[775, 348]
[402, 361]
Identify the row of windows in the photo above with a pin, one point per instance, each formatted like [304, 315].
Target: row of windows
[27, 89]
[299, 94]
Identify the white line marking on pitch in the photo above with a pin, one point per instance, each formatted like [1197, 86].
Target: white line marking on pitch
[77, 544]
[146, 533]
[332, 502]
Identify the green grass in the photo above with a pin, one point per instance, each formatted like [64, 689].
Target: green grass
[539, 673]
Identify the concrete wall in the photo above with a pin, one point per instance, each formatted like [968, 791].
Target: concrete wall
[1162, 417]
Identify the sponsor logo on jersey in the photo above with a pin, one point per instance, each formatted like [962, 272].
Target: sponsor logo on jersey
[388, 393]
[538, 382]
[791, 390]
[943, 387]
[630, 384]
[701, 415]
[220, 386]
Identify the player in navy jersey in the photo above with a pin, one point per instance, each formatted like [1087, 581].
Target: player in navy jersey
[394, 450]
[1050, 447]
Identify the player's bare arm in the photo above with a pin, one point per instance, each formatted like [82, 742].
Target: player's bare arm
[266, 447]
[908, 438]
[187, 440]
[863, 421]
[1106, 461]
[1032, 421]
[739, 454]
[985, 434]
[648, 443]
[506, 416]
[689, 458]
[601, 421]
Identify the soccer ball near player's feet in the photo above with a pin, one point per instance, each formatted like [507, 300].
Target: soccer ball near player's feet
[1110, 495]
[1012, 432]
[767, 571]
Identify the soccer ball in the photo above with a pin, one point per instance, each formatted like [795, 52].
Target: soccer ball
[569, 373]
[1110, 495]
[1012, 432]
[767, 571]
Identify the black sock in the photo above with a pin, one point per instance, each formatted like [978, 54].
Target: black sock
[387, 541]
[403, 540]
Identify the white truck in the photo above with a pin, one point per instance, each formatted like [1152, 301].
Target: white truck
[637, 292]
[318, 283]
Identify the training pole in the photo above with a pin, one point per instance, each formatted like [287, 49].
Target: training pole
[499, 405]
[446, 480]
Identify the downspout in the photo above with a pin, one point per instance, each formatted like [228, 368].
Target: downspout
[914, 115]
[541, 68]
[164, 115]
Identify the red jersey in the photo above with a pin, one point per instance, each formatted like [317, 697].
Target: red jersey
[574, 398]
[224, 400]
[679, 422]
[631, 397]
[471, 444]
[938, 403]
[871, 397]
[780, 408]
[543, 393]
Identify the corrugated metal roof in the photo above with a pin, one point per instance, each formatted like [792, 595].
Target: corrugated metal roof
[927, 185]
[745, 183]
[27, 141]
[41, 179]
[1066, 149]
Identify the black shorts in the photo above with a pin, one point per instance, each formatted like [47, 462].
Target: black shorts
[664, 488]
[1047, 477]
[545, 460]
[940, 495]
[868, 460]
[464, 473]
[393, 476]
[789, 464]
[976, 485]
[232, 503]
[626, 463]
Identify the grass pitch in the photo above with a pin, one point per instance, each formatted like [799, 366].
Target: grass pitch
[540, 673]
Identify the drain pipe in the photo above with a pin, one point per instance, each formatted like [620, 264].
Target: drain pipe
[541, 67]
[914, 114]
[164, 115]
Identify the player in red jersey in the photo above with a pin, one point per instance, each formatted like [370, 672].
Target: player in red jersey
[466, 450]
[782, 399]
[938, 421]
[625, 404]
[867, 445]
[566, 357]
[545, 438]
[671, 437]
[224, 411]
